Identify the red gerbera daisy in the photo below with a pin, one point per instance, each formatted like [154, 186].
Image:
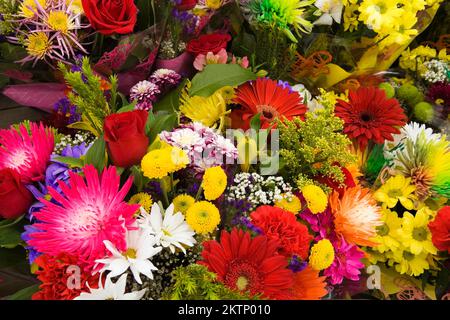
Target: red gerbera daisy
[282, 226]
[268, 98]
[249, 265]
[440, 229]
[370, 116]
[61, 279]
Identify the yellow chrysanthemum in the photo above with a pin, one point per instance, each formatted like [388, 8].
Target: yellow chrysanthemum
[228, 93]
[290, 203]
[351, 17]
[59, 21]
[214, 183]
[29, 7]
[410, 263]
[388, 234]
[396, 189]
[75, 5]
[404, 31]
[416, 236]
[207, 110]
[143, 199]
[380, 15]
[182, 203]
[315, 197]
[38, 44]
[203, 217]
[322, 255]
[160, 162]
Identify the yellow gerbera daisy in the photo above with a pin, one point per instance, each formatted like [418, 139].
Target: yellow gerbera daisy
[203, 217]
[396, 189]
[214, 183]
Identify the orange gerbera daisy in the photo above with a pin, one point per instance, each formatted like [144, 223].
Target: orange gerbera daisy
[308, 285]
[269, 98]
[356, 216]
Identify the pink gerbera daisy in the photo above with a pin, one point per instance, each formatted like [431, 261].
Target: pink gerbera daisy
[26, 152]
[88, 213]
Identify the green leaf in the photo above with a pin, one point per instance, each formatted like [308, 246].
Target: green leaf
[24, 294]
[97, 155]
[138, 178]
[10, 237]
[255, 122]
[171, 101]
[127, 108]
[160, 122]
[72, 162]
[216, 76]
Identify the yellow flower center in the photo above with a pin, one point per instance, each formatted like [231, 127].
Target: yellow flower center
[420, 234]
[38, 44]
[242, 283]
[29, 7]
[383, 230]
[395, 193]
[408, 255]
[59, 21]
[130, 254]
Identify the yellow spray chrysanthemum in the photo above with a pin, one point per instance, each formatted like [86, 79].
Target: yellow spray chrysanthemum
[321, 255]
[143, 199]
[416, 237]
[29, 7]
[38, 44]
[380, 15]
[203, 217]
[315, 197]
[182, 203]
[207, 110]
[159, 163]
[290, 203]
[59, 21]
[388, 236]
[396, 189]
[410, 263]
[214, 183]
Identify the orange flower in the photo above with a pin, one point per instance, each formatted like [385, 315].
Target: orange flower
[356, 216]
[308, 285]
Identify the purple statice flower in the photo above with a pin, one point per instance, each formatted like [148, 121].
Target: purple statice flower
[144, 93]
[249, 225]
[64, 107]
[165, 79]
[296, 264]
[188, 20]
[347, 263]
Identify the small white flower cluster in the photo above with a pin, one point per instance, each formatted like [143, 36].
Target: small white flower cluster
[259, 190]
[436, 71]
[68, 140]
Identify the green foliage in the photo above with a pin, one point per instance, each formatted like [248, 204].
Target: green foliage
[8, 8]
[195, 282]
[313, 147]
[375, 163]
[24, 294]
[171, 101]
[158, 123]
[88, 96]
[217, 76]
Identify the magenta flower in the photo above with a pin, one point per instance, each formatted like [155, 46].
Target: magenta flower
[89, 212]
[27, 152]
[347, 262]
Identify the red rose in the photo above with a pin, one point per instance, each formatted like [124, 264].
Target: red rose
[111, 16]
[125, 136]
[186, 5]
[440, 229]
[208, 43]
[15, 199]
